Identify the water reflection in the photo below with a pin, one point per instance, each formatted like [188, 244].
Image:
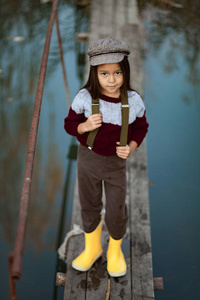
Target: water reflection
[19, 68]
[173, 107]
[178, 24]
[20, 62]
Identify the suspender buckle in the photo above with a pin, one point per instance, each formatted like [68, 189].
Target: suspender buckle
[124, 106]
[90, 148]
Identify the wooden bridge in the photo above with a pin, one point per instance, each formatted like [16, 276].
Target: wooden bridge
[118, 18]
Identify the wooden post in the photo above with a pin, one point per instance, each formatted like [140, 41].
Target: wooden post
[60, 279]
[82, 36]
[158, 284]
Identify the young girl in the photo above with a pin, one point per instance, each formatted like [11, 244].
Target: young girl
[105, 160]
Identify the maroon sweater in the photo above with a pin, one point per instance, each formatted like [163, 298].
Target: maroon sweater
[109, 132]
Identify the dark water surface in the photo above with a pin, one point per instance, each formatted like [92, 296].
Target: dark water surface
[54, 171]
[172, 100]
[172, 96]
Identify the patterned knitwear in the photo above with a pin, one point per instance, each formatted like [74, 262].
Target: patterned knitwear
[109, 132]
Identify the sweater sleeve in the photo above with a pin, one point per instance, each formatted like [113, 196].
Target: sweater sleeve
[72, 121]
[76, 115]
[140, 125]
[139, 129]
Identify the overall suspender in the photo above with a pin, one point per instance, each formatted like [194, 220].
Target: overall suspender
[124, 127]
[92, 134]
[125, 119]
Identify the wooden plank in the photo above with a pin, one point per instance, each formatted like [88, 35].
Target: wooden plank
[106, 19]
[75, 287]
[142, 277]
[130, 34]
[97, 279]
[95, 19]
[132, 12]
[119, 19]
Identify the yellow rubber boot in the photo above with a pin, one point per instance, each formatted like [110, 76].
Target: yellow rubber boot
[92, 252]
[116, 265]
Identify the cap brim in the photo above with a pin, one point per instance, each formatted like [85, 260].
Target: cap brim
[108, 58]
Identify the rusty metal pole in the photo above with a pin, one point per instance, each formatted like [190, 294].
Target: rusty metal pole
[20, 237]
[11, 281]
[62, 62]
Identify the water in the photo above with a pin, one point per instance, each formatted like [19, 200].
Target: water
[173, 108]
[20, 65]
[172, 76]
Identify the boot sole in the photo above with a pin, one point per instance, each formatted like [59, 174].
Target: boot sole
[86, 269]
[117, 274]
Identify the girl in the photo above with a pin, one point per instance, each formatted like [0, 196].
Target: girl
[105, 159]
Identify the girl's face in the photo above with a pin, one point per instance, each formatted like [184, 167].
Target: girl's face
[110, 78]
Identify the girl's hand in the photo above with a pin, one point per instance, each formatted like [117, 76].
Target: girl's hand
[94, 121]
[125, 151]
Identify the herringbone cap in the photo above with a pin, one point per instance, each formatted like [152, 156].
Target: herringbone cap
[108, 50]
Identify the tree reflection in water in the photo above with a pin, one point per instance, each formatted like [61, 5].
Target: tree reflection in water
[178, 23]
[19, 70]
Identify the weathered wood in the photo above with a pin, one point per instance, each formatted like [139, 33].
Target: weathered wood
[106, 27]
[118, 18]
[75, 287]
[142, 278]
[158, 284]
[60, 279]
[75, 281]
[82, 36]
[97, 279]
[82, 3]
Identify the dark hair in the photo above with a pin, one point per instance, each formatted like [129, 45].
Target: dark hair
[93, 86]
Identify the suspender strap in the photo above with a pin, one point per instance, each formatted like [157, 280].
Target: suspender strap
[124, 127]
[92, 134]
[125, 119]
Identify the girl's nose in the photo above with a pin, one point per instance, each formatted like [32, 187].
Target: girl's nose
[111, 78]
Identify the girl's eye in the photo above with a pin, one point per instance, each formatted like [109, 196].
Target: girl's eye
[104, 73]
[118, 73]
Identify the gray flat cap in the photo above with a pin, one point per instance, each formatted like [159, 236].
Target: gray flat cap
[106, 51]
